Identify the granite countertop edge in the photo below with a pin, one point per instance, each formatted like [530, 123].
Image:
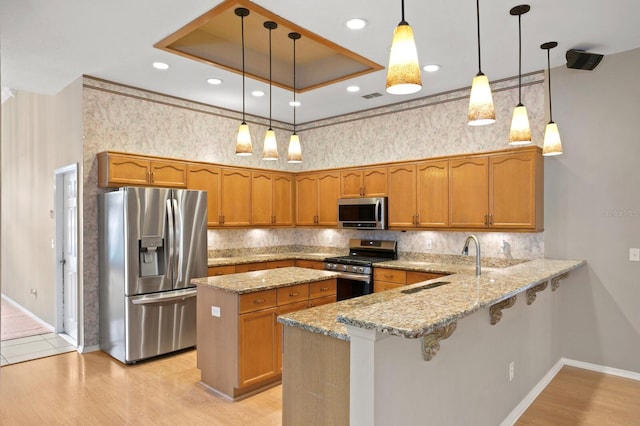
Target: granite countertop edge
[524, 274]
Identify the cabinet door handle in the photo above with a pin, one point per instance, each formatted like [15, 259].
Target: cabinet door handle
[388, 275]
[417, 219]
[258, 301]
[153, 177]
[486, 220]
[294, 294]
[324, 288]
[490, 219]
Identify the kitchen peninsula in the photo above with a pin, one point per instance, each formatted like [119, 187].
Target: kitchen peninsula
[238, 338]
[384, 348]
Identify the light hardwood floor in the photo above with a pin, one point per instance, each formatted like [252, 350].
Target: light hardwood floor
[581, 397]
[95, 389]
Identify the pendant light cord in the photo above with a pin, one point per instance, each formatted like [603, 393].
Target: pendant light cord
[294, 85]
[549, 78]
[243, 100]
[478, 22]
[403, 22]
[519, 60]
[270, 98]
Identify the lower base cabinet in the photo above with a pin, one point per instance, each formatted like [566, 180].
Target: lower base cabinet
[239, 339]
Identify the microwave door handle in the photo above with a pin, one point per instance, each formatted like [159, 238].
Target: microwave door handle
[378, 211]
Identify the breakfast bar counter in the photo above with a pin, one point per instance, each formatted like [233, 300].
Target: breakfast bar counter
[396, 334]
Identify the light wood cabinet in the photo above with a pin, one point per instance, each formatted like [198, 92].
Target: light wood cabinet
[240, 347]
[121, 169]
[502, 191]
[367, 182]
[235, 200]
[418, 195]
[205, 177]
[385, 279]
[317, 199]
[214, 271]
[271, 199]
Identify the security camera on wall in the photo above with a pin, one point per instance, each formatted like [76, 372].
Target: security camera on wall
[581, 60]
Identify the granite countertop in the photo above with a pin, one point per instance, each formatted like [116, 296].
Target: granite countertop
[247, 282]
[238, 260]
[417, 314]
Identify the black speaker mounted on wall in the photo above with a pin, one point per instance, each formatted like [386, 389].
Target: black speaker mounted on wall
[581, 60]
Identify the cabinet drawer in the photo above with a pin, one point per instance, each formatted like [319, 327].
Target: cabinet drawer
[379, 286]
[322, 301]
[214, 271]
[389, 275]
[292, 294]
[280, 263]
[311, 264]
[257, 300]
[416, 277]
[322, 289]
[249, 267]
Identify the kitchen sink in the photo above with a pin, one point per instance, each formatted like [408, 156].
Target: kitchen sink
[425, 287]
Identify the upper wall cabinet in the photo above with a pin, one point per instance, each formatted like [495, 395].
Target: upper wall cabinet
[317, 199]
[271, 199]
[205, 177]
[121, 169]
[367, 182]
[235, 197]
[499, 191]
[418, 195]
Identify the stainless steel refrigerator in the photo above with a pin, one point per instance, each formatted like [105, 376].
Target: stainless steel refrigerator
[152, 241]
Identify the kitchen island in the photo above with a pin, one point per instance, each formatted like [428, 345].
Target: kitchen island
[239, 341]
[392, 370]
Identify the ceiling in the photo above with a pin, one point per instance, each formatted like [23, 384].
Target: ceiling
[46, 45]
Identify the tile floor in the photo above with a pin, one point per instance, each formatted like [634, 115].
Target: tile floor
[28, 348]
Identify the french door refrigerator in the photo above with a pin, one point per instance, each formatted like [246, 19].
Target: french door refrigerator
[152, 242]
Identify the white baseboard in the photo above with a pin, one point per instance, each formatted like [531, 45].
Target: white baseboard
[29, 313]
[601, 369]
[542, 384]
[532, 395]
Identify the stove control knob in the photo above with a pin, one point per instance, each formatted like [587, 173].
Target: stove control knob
[333, 266]
[360, 269]
[344, 267]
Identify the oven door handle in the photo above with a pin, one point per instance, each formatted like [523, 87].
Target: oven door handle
[355, 277]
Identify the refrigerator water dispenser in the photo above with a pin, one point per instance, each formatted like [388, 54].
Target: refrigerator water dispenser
[151, 256]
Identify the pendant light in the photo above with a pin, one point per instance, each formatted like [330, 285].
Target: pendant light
[270, 151]
[481, 110]
[403, 73]
[520, 133]
[294, 154]
[552, 142]
[243, 141]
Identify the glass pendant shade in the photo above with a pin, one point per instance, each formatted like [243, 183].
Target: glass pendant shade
[270, 146]
[552, 142]
[520, 133]
[243, 142]
[403, 75]
[295, 150]
[481, 110]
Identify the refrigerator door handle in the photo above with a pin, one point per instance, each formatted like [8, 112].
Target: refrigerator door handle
[163, 298]
[177, 242]
[171, 236]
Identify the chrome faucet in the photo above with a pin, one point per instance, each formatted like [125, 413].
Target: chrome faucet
[465, 251]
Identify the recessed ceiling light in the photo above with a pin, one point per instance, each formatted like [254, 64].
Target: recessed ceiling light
[431, 68]
[257, 93]
[160, 66]
[294, 104]
[356, 23]
[214, 81]
[353, 89]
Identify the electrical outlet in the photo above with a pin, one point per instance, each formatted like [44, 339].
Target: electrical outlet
[634, 254]
[215, 311]
[511, 370]
[429, 245]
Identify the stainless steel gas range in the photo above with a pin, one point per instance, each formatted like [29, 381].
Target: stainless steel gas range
[356, 269]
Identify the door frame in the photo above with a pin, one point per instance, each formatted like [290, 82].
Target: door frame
[58, 215]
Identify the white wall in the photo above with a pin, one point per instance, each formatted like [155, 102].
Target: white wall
[592, 208]
[39, 134]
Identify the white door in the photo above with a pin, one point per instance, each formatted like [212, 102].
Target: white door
[66, 246]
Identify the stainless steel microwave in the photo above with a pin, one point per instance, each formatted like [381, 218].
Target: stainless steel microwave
[362, 213]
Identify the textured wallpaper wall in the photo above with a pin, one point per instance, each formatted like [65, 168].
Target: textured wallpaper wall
[126, 119]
